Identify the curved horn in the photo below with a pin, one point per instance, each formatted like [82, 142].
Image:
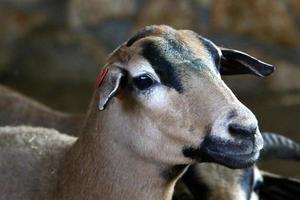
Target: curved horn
[279, 147]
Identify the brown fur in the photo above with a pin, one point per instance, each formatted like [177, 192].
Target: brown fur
[29, 161]
[17, 109]
[124, 149]
[15, 99]
[188, 37]
[144, 135]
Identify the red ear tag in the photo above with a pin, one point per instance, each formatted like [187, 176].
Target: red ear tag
[101, 76]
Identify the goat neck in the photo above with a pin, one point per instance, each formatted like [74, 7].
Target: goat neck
[98, 166]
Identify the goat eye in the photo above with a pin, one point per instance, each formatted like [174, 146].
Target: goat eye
[143, 82]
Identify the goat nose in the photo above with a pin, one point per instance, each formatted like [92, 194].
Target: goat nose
[239, 130]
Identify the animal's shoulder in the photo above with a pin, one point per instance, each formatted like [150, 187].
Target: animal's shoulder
[29, 159]
[33, 143]
[33, 137]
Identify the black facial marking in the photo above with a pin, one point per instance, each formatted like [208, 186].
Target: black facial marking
[195, 185]
[211, 49]
[173, 172]
[227, 146]
[246, 181]
[178, 50]
[141, 34]
[165, 69]
[135, 38]
[190, 152]
[232, 114]
[226, 152]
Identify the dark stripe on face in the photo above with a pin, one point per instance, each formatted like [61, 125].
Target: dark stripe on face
[195, 153]
[247, 181]
[211, 49]
[164, 68]
[232, 114]
[141, 34]
[136, 37]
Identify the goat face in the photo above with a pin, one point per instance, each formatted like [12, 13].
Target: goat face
[168, 85]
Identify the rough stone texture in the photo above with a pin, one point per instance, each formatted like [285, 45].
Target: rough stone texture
[103, 32]
[58, 56]
[265, 20]
[14, 24]
[286, 78]
[176, 13]
[66, 41]
[294, 6]
[18, 18]
[93, 12]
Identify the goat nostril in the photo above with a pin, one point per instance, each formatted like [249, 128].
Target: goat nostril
[239, 130]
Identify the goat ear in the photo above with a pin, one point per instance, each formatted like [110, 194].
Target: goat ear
[237, 62]
[108, 82]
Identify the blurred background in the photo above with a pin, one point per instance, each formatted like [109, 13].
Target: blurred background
[52, 50]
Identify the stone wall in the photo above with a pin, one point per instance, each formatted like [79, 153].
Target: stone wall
[63, 43]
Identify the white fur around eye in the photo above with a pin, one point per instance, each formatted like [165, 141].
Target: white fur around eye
[139, 65]
[156, 98]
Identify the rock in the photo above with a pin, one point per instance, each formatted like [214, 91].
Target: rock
[19, 17]
[286, 77]
[265, 20]
[36, 45]
[14, 25]
[104, 31]
[294, 6]
[176, 13]
[58, 56]
[92, 12]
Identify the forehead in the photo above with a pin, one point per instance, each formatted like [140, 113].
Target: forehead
[171, 52]
[177, 45]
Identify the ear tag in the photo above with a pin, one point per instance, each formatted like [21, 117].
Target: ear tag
[101, 76]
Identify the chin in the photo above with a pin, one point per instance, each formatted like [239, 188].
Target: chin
[230, 153]
[234, 161]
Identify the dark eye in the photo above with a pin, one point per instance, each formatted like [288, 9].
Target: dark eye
[143, 82]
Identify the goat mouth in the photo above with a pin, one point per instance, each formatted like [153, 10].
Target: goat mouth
[233, 154]
[230, 160]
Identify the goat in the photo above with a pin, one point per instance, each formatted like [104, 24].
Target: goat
[163, 107]
[277, 147]
[208, 181]
[18, 109]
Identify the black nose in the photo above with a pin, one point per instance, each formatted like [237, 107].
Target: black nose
[239, 130]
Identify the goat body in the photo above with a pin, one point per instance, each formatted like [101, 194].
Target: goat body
[29, 161]
[18, 109]
[161, 107]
